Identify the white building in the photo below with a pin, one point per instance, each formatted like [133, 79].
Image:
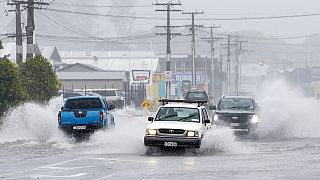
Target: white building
[114, 60]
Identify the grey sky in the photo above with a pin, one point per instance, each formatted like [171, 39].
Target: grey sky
[232, 8]
[247, 8]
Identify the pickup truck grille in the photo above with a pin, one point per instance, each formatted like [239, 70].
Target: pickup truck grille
[235, 118]
[171, 131]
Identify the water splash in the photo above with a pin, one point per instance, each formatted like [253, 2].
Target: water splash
[33, 122]
[286, 112]
[223, 140]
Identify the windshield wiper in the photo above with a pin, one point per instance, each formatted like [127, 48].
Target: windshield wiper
[246, 107]
[187, 117]
[166, 117]
[233, 107]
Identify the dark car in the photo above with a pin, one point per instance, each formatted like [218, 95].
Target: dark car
[240, 113]
[197, 96]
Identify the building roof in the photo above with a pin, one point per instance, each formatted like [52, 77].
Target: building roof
[80, 67]
[114, 61]
[50, 53]
[107, 54]
[99, 75]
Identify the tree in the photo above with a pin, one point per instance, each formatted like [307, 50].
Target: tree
[39, 79]
[11, 89]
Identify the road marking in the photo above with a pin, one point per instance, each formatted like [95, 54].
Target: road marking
[105, 177]
[41, 167]
[66, 176]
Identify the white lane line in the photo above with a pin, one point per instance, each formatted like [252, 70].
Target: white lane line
[64, 162]
[66, 176]
[41, 167]
[105, 177]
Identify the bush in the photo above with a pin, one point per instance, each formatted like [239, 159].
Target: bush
[39, 79]
[11, 89]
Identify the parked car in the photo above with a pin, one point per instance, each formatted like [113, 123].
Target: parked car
[85, 114]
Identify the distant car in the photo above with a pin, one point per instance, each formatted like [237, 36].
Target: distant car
[240, 113]
[178, 124]
[197, 96]
[85, 114]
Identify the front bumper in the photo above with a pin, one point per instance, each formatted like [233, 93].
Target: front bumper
[181, 141]
[72, 129]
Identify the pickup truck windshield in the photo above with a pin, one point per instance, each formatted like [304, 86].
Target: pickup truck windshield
[178, 114]
[236, 103]
[85, 103]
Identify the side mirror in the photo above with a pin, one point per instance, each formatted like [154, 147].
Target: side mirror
[111, 107]
[213, 107]
[207, 121]
[62, 108]
[150, 119]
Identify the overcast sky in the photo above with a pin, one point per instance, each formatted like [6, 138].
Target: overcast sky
[248, 8]
[229, 9]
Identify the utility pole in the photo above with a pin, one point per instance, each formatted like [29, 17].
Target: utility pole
[214, 64]
[228, 65]
[239, 50]
[168, 8]
[193, 45]
[18, 35]
[31, 26]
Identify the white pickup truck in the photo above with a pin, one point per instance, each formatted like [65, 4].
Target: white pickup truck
[178, 123]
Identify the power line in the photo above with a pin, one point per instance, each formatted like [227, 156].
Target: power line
[105, 6]
[185, 19]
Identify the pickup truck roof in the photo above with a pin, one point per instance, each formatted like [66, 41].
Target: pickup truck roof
[84, 97]
[184, 105]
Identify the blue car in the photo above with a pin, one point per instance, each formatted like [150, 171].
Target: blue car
[85, 114]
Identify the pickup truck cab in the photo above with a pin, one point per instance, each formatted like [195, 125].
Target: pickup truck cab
[85, 114]
[178, 124]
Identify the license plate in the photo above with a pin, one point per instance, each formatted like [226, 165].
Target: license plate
[170, 144]
[79, 127]
[235, 124]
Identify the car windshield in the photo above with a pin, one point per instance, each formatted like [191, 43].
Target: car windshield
[178, 114]
[196, 96]
[236, 103]
[85, 103]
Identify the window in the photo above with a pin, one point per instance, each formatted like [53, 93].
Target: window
[236, 103]
[179, 67]
[188, 66]
[204, 115]
[84, 103]
[178, 114]
[200, 66]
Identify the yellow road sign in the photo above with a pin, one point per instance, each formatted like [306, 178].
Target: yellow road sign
[146, 104]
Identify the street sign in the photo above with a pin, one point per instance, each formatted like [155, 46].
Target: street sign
[146, 104]
[168, 75]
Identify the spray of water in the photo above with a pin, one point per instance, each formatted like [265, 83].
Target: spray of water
[286, 112]
[33, 122]
[125, 137]
[223, 140]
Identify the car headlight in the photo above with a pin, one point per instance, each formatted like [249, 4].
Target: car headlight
[254, 119]
[151, 132]
[192, 134]
[216, 117]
